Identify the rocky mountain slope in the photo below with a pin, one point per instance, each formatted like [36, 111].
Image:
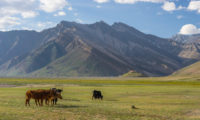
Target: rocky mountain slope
[191, 70]
[99, 49]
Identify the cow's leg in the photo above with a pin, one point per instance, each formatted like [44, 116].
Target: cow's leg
[41, 102]
[27, 102]
[52, 101]
[101, 97]
[47, 102]
[56, 101]
[36, 102]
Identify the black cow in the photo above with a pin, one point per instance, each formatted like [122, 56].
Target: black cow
[97, 95]
[54, 100]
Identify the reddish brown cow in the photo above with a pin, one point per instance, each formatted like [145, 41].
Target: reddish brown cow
[40, 95]
[34, 95]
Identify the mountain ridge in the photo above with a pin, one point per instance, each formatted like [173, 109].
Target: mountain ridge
[99, 49]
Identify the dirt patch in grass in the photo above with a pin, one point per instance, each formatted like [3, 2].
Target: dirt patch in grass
[6, 86]
[193, 113]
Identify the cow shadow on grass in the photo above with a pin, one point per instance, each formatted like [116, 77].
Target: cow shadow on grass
[70, 106]
[114, 100]
[72, 100]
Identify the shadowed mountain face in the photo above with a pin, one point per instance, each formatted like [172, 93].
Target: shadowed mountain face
[17, 43]
[99, 49]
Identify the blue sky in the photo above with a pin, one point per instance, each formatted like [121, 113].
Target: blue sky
[163, 18]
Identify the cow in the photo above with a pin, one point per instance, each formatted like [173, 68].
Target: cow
[54, 99]
[34, 95]
[97, 95]
[40, 95]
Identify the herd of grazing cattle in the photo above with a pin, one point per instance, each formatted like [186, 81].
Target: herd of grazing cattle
[40, 95]
[51, 95]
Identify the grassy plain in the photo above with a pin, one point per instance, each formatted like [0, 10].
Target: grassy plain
[166, 98]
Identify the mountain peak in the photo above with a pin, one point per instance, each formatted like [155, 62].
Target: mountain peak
[67, 24]
[122, 27]
[186, 38]
[120, 24]
[100, 23]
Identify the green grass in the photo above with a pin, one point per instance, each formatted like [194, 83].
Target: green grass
[167, 98]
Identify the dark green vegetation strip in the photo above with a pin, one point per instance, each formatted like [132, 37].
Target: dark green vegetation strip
[103, 81]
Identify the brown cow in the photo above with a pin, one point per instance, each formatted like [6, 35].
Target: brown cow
[40, 95]
[31, 94]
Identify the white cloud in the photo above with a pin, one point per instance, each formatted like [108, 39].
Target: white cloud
[42, 25]
[26, 28]
[52, 5]
[194, 5]
[13, 13]
[8, 11]
[60, 13]
[189, 29]
[134, 1]
[169, 6]
[181, 7]
[14, 7]
[101, 1]
[29, 14]
[7, 22]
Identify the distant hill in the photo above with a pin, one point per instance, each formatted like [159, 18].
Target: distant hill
[132, 73]
[191, 70]
[99, 49]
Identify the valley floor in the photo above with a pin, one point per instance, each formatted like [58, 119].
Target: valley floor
[168, 98]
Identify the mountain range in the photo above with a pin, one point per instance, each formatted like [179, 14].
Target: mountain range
[72, 49]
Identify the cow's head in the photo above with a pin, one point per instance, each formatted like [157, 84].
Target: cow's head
[59, 90]
[58, 95]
